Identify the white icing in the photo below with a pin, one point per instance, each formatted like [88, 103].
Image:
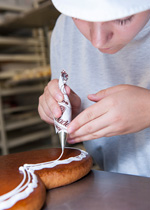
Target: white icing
[23, 190]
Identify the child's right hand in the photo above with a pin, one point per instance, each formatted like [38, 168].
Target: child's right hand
[48, 107]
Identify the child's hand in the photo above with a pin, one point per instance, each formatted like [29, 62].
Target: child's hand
[48, 102]
[118, 110]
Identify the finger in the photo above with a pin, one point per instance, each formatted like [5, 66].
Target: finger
[88, 115]
[93, 126]
[68, 89]
[50, 104]
[43, 116]
[54, 91]
[106, 92]
[108, 131]
[44, 106]
[105, 132]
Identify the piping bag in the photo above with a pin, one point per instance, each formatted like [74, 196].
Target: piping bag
[62, 122]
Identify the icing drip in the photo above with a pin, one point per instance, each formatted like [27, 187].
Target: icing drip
[23, 190]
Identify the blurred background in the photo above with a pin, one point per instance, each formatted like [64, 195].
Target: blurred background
[25, 31]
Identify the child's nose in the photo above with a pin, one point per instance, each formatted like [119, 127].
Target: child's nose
[100, 34]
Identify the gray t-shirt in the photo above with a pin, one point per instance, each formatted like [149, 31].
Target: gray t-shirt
[91, 71]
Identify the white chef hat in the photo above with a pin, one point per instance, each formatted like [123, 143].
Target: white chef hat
[101, 10]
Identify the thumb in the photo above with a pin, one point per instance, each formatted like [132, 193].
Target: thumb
[106, 92]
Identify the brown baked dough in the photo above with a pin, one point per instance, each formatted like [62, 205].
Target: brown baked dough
[58, 176]
[66, 173]
[10, 178]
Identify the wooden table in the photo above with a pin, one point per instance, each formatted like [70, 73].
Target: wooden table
[102, 190]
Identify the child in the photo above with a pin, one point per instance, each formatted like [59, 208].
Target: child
[104, 45]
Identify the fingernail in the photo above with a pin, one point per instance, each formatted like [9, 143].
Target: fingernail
[70, 129]
[71, 141]
[59, 97]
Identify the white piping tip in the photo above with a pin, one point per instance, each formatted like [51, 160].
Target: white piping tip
[63, 138]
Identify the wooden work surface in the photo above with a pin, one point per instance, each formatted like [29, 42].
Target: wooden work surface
[102, 190]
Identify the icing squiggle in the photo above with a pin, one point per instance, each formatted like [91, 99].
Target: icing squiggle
[23, 190]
